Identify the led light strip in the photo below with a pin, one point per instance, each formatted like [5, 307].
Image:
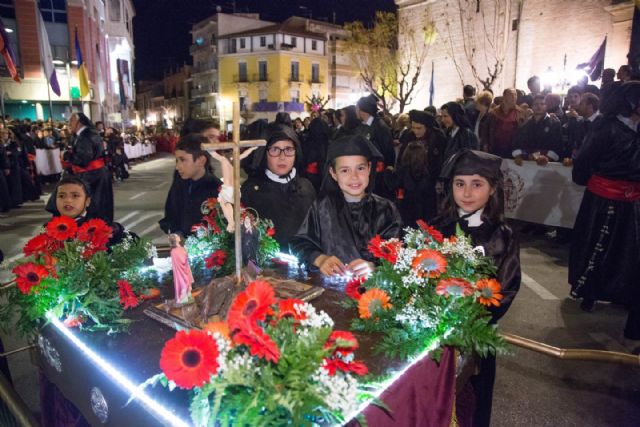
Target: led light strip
[119, 377]
[389, 382]
[290, 259]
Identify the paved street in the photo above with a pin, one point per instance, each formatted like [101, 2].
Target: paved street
[531, 389]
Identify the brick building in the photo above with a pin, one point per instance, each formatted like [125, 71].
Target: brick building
[95, 21]
[548, 38]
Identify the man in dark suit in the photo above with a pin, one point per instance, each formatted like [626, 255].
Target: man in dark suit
[469, 104]
[539, 139]
[380, 135]
[87, 162]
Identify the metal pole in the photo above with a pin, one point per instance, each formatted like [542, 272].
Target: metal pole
[50, 102]
[16, 405]
[69, 83]
[236, 190]
[2, 104]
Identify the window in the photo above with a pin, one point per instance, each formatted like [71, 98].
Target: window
[262, 94]
[53, 10]
[263, 41]
[232, 46]
[242, 43]
[243, 103]
[114, 10]
[295, 71]
[295, 96]
[314, 45]
[262, 71]
[294, 41]
[315, 73]
[242, 71]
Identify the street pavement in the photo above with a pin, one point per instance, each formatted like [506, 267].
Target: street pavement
[531, 389]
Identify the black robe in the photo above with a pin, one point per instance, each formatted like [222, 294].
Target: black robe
[336, 228]
[182, 208]
[605, 249]
[380, 135]
[5, 196]
[543, 136]
[285, 204]
[464, 138]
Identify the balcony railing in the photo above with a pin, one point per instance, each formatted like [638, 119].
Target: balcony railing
[296, 78]
[241, 78]
[260, 77]
[316, 80]
[202, 48]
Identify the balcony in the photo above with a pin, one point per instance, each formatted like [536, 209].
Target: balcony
[241, 78]
[296, 78]
[260, 77]
[316, 80]
[194, 48]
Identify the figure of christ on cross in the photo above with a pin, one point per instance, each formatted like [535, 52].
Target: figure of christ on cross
[231, 178]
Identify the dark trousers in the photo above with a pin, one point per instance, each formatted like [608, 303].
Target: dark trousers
[483, 390]
[632, 328]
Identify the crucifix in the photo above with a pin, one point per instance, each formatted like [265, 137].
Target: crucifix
[236, 145]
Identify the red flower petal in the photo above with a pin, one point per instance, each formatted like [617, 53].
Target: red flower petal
[61, 228]
[29, 275]
[190, 359]
[253, 304]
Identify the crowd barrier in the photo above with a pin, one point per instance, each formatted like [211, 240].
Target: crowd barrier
[541, 194]
[139, 150]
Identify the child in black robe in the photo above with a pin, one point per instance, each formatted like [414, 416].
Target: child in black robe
[474, 201]
[193, 184]
[346, 216]
[276, 190]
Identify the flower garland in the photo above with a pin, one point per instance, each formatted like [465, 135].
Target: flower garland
[68, 270]
[211, 247]
[273, 362]
[428, 289]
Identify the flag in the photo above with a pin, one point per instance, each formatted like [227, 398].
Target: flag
[594, 67]
[432, 87]
[46, 57]
[7, 53]
[82, 71]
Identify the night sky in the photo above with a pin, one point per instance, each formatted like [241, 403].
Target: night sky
[161, 27]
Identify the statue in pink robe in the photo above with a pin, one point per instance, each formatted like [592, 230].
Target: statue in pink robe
[182, 276]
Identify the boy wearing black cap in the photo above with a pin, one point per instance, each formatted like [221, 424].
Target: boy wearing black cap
[346, 216]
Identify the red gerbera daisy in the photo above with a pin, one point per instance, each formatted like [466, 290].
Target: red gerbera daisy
[489, 292]
[342, 341]
[431, 231]
[29, 275]
[62, 228]
[271, 231]
[252, 304]
[190, 359]
[50, 264]
[357, 367]
[385, 249]
[216, 259]
[73, 321]
[37, 245]
[454, 287]
[354, 287]
[128, 299]
[96, 232]
[429, 263]
[260, 344]
[286, 308]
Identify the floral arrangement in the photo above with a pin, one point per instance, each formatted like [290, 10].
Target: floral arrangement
[211, 247]
[69, 271]
[428, 292]
[274, 362]
[317, 103]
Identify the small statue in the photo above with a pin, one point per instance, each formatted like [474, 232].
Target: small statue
[225, 197]
[182, 276]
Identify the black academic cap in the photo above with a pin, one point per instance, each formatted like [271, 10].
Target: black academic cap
[368, 104]
[352, 145]
[424, 118]
[472, 162]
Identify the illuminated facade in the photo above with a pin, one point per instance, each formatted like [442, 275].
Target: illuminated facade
[105, 36]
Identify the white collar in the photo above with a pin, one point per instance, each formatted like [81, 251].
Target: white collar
[627, 121]
[474, 220]
[369, 121]
[594, 116]
[454, 131]
[80, 130]
[280, 180]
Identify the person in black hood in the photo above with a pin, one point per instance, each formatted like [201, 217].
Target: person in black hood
[458, 129]
[275, 189]
[346, 216]
[314, 148]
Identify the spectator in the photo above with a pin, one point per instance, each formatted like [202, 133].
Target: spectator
[504, 121]
[481, 129]
[469, 104]
[624, 73]
[608, 77]
[458, 129]
[534, 89]
[539, 139]
[554, 106]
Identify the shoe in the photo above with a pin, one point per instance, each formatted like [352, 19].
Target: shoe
[588, 304]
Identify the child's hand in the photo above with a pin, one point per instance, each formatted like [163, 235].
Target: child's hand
[360, 267]
[330, 265]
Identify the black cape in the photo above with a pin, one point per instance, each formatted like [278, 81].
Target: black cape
[285, 204]
[605, 248]
[544, 136]
[464, 138]
[182, 208]
[334, 227]
[500, 244]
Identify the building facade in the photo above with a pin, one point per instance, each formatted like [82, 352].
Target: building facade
[547, 38]
[94, 21]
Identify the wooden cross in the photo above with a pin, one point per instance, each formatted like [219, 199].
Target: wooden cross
[236, 145]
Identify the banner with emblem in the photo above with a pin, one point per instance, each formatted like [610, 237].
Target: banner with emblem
[541, 194]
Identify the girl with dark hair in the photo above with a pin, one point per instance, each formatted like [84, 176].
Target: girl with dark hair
[349, 123]
[474, 201]
[276, 190]
[459, 132]
[346, 215]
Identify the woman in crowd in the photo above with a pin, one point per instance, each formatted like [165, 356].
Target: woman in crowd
[481, 131]
[459, 132]
[276, 190]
